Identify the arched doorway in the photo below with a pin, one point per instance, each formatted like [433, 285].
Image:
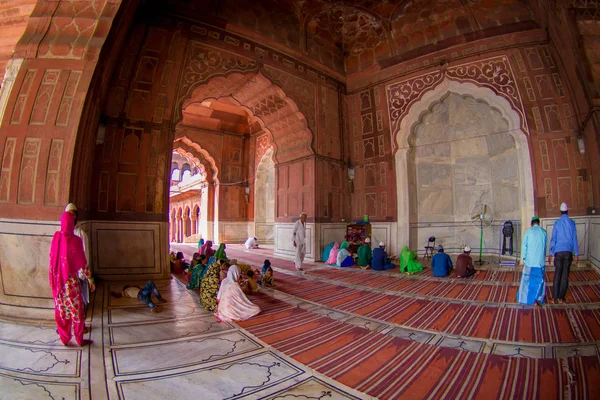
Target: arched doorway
[264, 199]
[438, 178]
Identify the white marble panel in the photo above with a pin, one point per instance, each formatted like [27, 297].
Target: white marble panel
[284, 246]
[122, 335]
[231, 379]
[40, 361]
[143, 314]
[234, 232]
[181, 353]
[130, 249]
[314, 388]
[21, 388]
[28, 334]
[594, 235]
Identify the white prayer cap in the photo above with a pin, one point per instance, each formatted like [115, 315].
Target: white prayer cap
[467, 249]
[381, 244]
[368, 240]
[303, 213]
[563, 207]
[70, 207]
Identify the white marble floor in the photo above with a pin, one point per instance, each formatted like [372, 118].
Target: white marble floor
[181, 353]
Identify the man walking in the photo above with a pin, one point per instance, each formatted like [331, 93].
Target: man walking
[563, 246]
[533, 253]
[299, 238]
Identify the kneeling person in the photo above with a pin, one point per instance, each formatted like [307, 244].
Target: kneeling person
[464, 264]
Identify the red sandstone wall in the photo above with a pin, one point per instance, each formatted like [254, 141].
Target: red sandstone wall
[14, 16]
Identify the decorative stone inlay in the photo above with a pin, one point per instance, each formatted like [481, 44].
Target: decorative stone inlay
[493, 73]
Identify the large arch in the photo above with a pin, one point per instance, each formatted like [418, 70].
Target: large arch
[513, 119]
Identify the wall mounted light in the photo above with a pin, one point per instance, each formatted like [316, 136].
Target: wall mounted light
[351, 175]
[581, 144]
[247, 193]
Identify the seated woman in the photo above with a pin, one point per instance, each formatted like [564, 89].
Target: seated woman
[233, 305]
[199, 269]
[209, 287]
[326, 252]
[332, 260]
[364, 254]
[206, 249]
[179, 265]
[220, 253]
[408, 263]
[344, 259]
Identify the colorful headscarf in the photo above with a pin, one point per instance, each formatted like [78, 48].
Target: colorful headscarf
[344, 245]
[333, 254]
[220, 254]
[207, 249]
[66, 254]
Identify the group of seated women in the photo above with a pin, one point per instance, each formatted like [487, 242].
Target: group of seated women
[223, 284]
[368, 258]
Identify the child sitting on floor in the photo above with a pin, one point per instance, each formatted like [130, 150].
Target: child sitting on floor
[144, 294]
[268, 279]
[251, 282]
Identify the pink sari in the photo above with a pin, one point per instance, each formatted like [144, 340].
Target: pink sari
[233, 303]
[207, 249]
[333, 254]
[67, 258]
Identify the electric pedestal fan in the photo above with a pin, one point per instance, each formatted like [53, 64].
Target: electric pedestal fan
[482, 218]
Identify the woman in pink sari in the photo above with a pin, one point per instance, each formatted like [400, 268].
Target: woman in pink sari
[67, 258]
[332, 260]
[206, 249]
[233, 305]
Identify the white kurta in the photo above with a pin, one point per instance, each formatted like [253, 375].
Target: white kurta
[299, 236]
[251, 243]
[85, 291]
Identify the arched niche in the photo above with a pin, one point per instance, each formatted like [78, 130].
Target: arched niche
[412, 231]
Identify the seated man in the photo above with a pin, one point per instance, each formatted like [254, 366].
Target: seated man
[380, 260]
[143, 294]
[464, 264]
[441, 264]
[251, 243]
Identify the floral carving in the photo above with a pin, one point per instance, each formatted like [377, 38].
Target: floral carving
[202, 62]
[494, 73]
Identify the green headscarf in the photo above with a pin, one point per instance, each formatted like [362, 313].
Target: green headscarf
[344, 245]
[200, 242]
[408, 263]
[220, 254]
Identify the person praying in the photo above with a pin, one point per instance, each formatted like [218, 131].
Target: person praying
[441, 264]
[233, 305]
[464, 264]
[365, 253]
[380, 261]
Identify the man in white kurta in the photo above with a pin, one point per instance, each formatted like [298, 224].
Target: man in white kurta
[85, 292]
[299, 238]
[251, 243]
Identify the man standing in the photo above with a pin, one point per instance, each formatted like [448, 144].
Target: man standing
[464, 264]
[563, 246]
[299, 238]
[441, 264]
[533, 288]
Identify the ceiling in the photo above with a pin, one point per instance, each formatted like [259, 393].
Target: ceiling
[350, 35]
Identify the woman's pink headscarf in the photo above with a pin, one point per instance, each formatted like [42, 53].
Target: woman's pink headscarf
[207, 249]
[333, 254]
[66, 254]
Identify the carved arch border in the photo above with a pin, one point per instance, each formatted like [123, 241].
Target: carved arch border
[493, 73]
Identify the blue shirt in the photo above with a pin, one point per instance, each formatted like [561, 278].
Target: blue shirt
[533, 250]
[441, 264]
[564, 236]
[379, 259]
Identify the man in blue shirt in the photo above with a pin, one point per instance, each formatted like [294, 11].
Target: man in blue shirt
[441, 264]
[532, 289]
[380, 260]
[563, 246]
